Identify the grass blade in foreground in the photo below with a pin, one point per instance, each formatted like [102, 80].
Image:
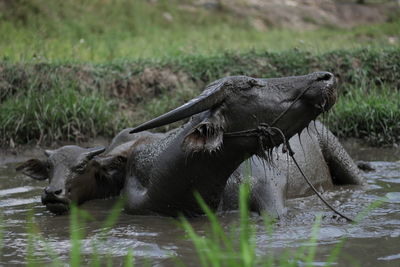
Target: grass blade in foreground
[76, 235]
[220, 249]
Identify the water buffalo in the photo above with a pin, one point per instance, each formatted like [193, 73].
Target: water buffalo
[79, 174]
[162, 176]
[323, 159]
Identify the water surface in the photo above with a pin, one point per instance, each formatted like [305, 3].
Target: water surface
[160, 241]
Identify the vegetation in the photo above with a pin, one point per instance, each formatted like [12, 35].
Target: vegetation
[46, 102]
[375, 118]
[106, 30]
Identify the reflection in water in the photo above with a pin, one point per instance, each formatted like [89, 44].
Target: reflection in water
[159, 240]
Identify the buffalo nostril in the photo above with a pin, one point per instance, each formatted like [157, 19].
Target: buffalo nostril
[324, 76]
[49, 191]
[57, 192]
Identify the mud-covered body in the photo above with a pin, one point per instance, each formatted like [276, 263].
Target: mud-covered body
[198, 157]
[319, 154]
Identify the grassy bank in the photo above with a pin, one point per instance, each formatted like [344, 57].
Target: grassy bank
[73, 70]
[371, 113]
[46, 102]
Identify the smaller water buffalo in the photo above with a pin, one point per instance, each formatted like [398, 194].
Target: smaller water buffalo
[79, 174]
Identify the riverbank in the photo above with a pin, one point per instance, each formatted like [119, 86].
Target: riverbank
[43, 103]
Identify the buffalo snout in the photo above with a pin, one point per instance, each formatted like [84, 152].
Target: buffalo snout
[324, 76]
[55, 201]
[51, 191]
[321, 93]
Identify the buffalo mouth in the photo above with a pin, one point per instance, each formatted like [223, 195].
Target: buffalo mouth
[56, 205]
[329, 96]
[57, 208]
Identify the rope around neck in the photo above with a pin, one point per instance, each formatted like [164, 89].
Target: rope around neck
[262, 131]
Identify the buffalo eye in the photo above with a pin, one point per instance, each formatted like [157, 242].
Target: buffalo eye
[80, 168]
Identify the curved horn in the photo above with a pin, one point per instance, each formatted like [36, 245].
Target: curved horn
[213, 95]
[48, 152]
[93, 152]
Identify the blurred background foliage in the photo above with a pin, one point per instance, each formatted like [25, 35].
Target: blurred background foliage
[104, 30]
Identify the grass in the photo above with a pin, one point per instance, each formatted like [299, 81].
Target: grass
[104, 31]
[220, 247]
[36, 242]
[62, 113]
[48, 102]
[368, 112]
[237, 246]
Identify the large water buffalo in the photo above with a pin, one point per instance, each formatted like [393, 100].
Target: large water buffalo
[163, 170]
[162, 176]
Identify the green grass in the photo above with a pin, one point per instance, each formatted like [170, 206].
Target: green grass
[237, 246]
[368, 112]
[36, 242]
[46, 102]
[62, 113]
[103, 31]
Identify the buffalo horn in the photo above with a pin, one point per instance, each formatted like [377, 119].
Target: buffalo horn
[48, 152]
[94, 152]
[213, 95]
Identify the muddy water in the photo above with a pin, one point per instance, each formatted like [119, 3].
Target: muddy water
[159, 241]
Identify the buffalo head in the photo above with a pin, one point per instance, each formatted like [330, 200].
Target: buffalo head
[240, 103]
[73, 173]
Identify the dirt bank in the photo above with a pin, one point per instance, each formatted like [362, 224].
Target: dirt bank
[305, 14]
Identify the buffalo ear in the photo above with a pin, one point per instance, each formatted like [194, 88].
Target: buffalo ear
[110, 164]
[35, 169]
[207, 136]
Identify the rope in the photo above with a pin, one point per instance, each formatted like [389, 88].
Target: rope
[264, 130]
[291, 154]
[261, 132]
